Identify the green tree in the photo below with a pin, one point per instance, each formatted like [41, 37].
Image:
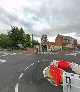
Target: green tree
[4, 41]
[16, 36]
[34, 42]
[27, 42]
[44, 38]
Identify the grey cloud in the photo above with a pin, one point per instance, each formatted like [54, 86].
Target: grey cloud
[7, 18]
[63, 17]
[66, 13]
[10, 19]
[25, 24]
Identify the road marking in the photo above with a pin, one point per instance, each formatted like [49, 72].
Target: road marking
[13, 54]
[16, 87]
[32, 64]
[2, 61]
[20, 75]
[30, 82]
[3, 55]
[37, 61]
[73, 54]
[26, 68]
[20, 53]
[46, 60]
[6, 53]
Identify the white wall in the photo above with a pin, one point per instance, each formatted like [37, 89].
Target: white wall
[58, 47]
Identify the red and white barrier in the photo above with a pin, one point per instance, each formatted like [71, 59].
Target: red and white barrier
[69, 79]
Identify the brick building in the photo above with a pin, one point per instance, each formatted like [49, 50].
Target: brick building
[64, 42]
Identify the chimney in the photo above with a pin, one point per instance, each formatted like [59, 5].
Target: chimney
[32, 37]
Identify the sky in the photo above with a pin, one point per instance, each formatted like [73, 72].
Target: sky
[40, 17]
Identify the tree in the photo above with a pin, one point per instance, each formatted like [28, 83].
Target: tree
[16, 36]
[34, 42]
[27, 42]
[44, 38]
[4, 41]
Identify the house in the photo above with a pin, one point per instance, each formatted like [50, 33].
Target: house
[51, 46]
[37, 48]
[64, 42]
[78, 46]
[47, 46]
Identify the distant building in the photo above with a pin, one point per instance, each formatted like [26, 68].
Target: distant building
[64, 41]
[78, 46]
[51, 46]
[47, 46]
[37, 48]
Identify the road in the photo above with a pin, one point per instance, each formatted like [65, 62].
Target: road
[12, 68]
[22, 72]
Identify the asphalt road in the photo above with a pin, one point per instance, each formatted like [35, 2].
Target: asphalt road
[10, 70]
[22, 72]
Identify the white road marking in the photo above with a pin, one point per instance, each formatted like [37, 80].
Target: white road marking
[3, 55]
[16, 87]
[13, 54]
[2, 61]
[26, 68]
[32, 64]
[74, 54]
[20, 53]
[20, 75]
[45, 60]
[37, 61]
[6, 53]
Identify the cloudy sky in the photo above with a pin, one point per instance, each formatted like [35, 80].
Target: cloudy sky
[39, 17]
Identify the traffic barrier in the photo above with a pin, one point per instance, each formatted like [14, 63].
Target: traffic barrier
[63, 64]
[69, 81]
[56, 74]
[75, 67]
